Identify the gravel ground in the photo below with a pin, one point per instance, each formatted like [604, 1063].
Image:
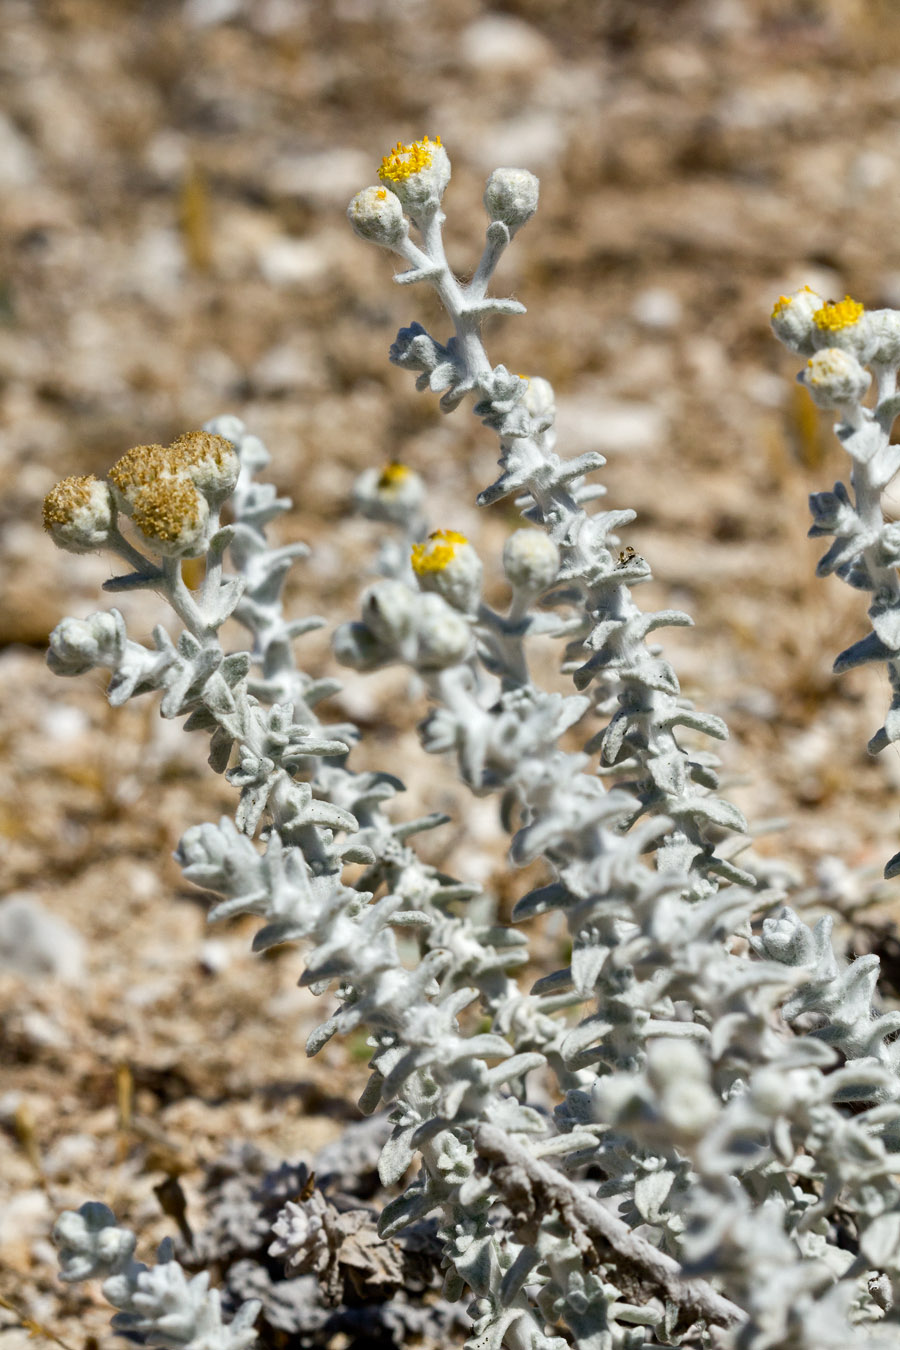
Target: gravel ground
[173, 179]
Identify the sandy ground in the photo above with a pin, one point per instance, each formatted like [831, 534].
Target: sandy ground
[173, 179]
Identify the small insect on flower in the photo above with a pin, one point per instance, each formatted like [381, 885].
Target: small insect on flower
[837, 314]
[627, 555]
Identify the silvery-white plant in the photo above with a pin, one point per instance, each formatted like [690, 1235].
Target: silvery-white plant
[719, 1164]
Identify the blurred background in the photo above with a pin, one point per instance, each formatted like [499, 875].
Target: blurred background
[173, 245]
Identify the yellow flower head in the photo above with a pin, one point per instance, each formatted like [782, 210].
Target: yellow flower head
[784, 302]
[405, 160]
[835, 315]
[415, 174]
[438, 550]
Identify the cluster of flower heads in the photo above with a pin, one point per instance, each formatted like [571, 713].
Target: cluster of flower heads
[839, 338]
[171, 493]
[413, 178]
[435, 630]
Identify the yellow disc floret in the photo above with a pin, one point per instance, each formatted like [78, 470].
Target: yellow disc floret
[405, 160]
[838, 314]
[785, 301]
[392, 476]
[438, 550]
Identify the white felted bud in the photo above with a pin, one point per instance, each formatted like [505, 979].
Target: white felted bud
[417, 174]
[835, 378]
[539, 397]
[792, 320]
[79, 514]
[78, 645]
[444, 636]
[881, 336]
[448, 564]
[227, 425]
[394, 493]
[511, 195]
[376, 215]
[389, 611]
[530, 561]
[679, 1072]
[355, 645]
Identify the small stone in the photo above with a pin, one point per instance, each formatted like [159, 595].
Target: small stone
[328, 178]
[656, 308]
[35, 943]
[295, 262]
[214, 956]
[500, 42]
[588, 420]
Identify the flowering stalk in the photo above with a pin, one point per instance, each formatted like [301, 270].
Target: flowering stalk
[582, 557]
[844, 342]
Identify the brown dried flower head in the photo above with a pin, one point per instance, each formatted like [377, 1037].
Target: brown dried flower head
[137, 469]
[211, 463]
[172, 516]
[79, 513]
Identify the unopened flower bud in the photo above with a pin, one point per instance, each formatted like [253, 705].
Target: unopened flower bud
[679, 1073]
[792, 320]
[444, 635]
[530, 561]
[394, 493]
[881, 337]
[511, 195]
[227, 425]
[417, 174]
[376, 215]
[79, 514]
[448, 564]
[355, 645]
[389, 610]
[79, 645]
[539, 397]
[834, 378]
